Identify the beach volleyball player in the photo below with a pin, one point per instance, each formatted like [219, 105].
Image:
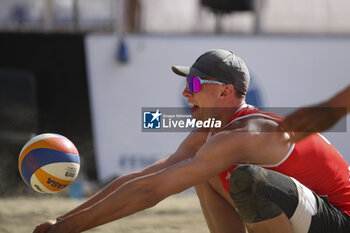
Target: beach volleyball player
[247, 175]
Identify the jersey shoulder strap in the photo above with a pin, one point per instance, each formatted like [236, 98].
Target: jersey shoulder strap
[247, 110]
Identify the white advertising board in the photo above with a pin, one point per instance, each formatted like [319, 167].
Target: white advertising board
[286, 72]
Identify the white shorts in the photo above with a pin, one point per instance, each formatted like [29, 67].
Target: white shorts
[307, 207]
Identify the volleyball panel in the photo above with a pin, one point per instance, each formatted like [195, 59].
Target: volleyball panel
[50, 182]
[38, 158]
[38, 186]
[64, 171]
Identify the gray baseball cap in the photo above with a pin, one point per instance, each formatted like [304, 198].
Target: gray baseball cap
[220, 64]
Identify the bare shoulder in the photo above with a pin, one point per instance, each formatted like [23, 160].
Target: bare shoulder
[258, 139]
[252, 124]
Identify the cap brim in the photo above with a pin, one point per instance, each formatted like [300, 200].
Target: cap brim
[181, 70]
[188, 70]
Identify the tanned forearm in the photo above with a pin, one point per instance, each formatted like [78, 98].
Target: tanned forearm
[103, 193]
[135, 197]
[131, 197]
[111, 187]
[115, 184]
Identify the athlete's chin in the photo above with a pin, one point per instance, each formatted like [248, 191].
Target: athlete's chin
[200, 117]
[201, 114]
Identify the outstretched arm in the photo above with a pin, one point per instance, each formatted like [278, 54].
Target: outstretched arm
[147, 191]
[317, 118]
[187, 149]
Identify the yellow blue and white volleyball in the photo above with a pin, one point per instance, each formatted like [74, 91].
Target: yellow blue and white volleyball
[49, 163]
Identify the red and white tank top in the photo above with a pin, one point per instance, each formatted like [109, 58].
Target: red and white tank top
[314, 162]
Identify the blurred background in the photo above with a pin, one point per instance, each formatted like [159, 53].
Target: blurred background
[324, 17]
[85, 68]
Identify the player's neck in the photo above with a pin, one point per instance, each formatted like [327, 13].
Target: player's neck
[227, 112]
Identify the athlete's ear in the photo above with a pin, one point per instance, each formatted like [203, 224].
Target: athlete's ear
[227, 90]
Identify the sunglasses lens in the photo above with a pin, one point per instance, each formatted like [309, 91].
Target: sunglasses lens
[196, 83]
[189, 84]
[193, 83]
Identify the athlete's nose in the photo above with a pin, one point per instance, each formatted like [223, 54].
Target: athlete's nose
[186, 92]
